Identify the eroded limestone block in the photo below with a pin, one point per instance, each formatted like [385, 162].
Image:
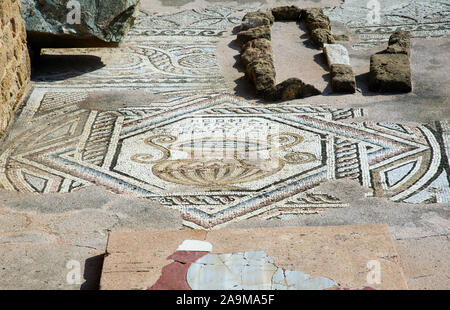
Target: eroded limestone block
[253, 23]
[267, 15]
[390, 73]
[262, 73]
[315, 18]
[293, 88]
[399, 43]
[287, 13]
[342, 79]
[321, 36]
[262, 44]
[51, 23]
[262, 32]
[251, 54]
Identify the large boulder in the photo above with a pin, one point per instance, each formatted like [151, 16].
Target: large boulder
[102, 23]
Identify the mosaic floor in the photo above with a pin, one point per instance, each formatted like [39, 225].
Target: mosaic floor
[201, 150]
[424, 18]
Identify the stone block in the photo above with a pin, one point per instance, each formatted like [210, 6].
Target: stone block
[321, 36]
[262, 32]
[343, 79]
[293, 88]
[251, 54]
[287, 13]
[102, 23]
[399, 43]
[267, 15]
[315, 18]
[262, 73]
[390, 73]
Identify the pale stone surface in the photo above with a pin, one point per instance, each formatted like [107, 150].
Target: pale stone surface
[425, 262]
[195, 245]
[12, 222]
[336, 54]
[44, 266]
[149, 250]
[339, 253]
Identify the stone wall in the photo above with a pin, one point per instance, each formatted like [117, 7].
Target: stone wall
[15, 66]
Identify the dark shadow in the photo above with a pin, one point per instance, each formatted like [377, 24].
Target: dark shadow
[236, 29]
[305, 37]
[92, 273]
[321, 60]
[244, 88]
[51, 68]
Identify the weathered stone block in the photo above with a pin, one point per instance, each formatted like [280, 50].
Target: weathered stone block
[287, 13]
[390, 73]
[253, 23]
[293, 88]
[251, 54]
[315, 18]
[267, 15]
[262, 73]
[102, 23]
[399, 43]
[262, 32]
[343, 79]
[336, 54]
[321, 36]
[262, 44]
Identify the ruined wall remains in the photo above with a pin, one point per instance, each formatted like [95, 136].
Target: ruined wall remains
[15, 66]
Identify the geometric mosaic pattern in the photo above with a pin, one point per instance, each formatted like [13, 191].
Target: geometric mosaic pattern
[141, 155]
[151, 150]
[424, 19]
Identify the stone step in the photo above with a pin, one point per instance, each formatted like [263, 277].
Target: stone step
[327, 257]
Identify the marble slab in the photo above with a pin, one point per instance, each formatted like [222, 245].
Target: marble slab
[298, 258]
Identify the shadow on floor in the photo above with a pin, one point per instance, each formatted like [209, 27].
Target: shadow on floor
[51, 68]
[92, 273]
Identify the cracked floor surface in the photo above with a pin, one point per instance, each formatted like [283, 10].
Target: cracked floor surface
[78, 160]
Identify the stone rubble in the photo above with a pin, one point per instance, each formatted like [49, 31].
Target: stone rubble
[254, 38]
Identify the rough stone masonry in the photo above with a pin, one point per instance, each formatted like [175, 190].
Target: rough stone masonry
[15, 67]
